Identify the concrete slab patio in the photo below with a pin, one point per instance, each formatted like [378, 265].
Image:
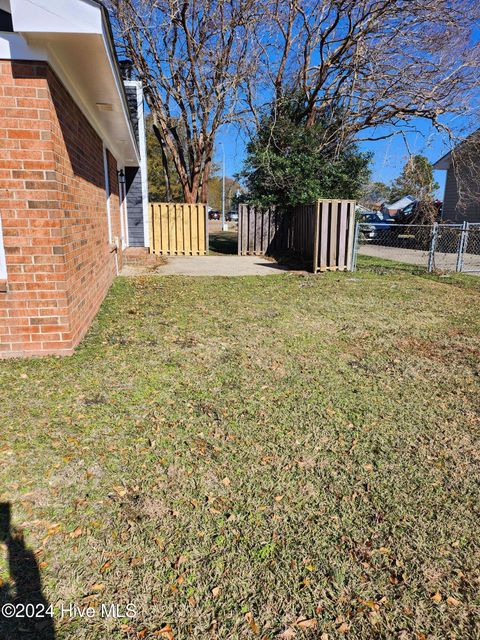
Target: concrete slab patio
[209, 266]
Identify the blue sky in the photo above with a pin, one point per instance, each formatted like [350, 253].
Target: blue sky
[389, 155]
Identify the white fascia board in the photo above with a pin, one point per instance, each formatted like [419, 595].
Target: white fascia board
[121, 92]
[56, 16]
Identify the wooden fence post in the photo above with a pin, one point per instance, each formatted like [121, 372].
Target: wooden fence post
[351, 236]
[316, 239]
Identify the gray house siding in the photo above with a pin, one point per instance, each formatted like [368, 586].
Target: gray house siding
[461, 200]
[136, 233]
[135, 204]
[450, 197]
[452, 211]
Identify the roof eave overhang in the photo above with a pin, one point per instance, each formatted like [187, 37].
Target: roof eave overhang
[79, 40]
[443, 164]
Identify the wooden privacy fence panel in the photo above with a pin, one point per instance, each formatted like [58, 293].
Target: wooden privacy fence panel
[334, 235]
[178, 229]
[321, 233]
[261, 231]
[303, 230]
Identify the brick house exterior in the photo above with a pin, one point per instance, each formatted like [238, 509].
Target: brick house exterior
[62, 210]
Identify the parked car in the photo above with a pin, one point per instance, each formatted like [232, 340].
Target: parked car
[232, 216]
[376, 227]
[376, 218]
[414, 223]
[213, 214]
[420, 212]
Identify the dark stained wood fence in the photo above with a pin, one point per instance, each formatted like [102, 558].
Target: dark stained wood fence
[262, 231]
[322, 233]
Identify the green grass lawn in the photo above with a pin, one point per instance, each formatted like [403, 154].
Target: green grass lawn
[282, 457]
[223, 242]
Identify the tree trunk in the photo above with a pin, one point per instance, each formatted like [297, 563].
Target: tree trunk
[204, 185]
[193, 179]
[206, 174]
[166, 173]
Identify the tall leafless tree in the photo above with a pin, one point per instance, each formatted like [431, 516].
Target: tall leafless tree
[371, 63]
[192, 57]
[367, 67]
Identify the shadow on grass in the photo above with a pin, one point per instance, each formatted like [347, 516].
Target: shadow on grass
[223, 243]
[33, 620]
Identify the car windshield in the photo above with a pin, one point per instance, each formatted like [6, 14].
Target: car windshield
[373, 218]
[408, 208]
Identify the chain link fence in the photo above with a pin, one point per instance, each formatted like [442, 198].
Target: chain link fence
[471, 250]
[437, 247]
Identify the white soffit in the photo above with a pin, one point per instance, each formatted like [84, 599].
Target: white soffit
[75, 38]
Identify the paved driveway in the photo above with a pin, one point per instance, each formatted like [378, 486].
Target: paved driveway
[210, 266]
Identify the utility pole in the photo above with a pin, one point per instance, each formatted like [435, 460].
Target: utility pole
[224, 224]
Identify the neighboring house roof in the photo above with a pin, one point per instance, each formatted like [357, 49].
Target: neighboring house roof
[443, 164]
[400, 204]
[75, 37]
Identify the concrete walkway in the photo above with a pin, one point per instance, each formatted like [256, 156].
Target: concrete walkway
[209, 266]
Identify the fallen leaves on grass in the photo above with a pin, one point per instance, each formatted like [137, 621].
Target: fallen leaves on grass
[165, 632]
[251, 623]
[105, 566]
[307, 623]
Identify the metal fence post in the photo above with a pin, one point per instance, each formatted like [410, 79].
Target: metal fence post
[355, 246]
[433, 245]
[461, 247]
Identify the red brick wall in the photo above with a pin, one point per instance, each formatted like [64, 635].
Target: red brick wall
[53, 208]
[115, 204]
